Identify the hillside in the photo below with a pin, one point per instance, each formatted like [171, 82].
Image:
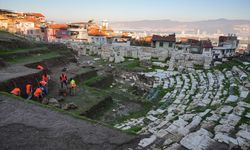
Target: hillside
[211, 26]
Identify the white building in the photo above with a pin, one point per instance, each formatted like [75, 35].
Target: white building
[226, 47]
[97, 39]
[78, 31]
[23, 26]
[165, 42]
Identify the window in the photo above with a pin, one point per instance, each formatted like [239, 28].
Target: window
[170, 44]
[161, 44]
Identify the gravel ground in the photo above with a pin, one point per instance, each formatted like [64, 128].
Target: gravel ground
[30, 127]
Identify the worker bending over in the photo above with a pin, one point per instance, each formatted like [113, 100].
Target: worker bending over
[16, 91]
[43, 86]
[38, 94]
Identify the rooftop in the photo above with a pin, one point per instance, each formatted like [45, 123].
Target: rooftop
[169, 38]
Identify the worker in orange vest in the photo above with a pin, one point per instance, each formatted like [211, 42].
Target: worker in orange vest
[46, 78]
[43, 86]
[63, 80]
[38, 94]
[39, 67]
[29, 90]
[72, 87]
[16, 91]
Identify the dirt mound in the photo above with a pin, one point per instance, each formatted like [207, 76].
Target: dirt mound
[85, 76]
[29, 127]
[94, 111]
[101, 82]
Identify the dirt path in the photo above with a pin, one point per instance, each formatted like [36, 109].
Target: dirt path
[15, 71]
[26, 126]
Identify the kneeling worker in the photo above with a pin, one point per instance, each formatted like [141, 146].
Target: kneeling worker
[38, 93]
[16, 91]
[44, 87]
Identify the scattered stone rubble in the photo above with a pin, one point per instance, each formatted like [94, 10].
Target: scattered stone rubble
[113, 53]
[198, 111]
[56, 103]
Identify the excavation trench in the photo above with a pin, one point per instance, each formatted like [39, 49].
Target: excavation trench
[21, 82]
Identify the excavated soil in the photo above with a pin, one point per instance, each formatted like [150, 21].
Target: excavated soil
[29, 127]
[21, 82]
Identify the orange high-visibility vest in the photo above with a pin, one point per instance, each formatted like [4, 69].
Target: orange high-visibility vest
[38, 92]
[28, 88]
[16, 91]
[63, 77]
[45, 78]
[40, 67]
[43, 83]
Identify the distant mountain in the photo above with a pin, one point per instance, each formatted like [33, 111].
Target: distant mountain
[209, 26]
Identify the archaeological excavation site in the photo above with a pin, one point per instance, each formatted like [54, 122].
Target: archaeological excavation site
[124, 98]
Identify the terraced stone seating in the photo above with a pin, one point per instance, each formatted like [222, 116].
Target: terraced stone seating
[198, 111]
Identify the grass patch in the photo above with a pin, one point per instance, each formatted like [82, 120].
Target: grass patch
[228, 65]
[35, 58]
[134, 129]
[153, 68]
[244, 119]
[198, 67]
[90, 81]
[247, 99]
[129, 65]
[21, 50]
[147, 107]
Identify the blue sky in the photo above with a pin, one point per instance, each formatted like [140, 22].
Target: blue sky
[129, 10]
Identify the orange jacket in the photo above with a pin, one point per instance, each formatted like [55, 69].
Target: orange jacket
[43, 83]
[63, 77]
[45, 78]
[28, 88]
[38, 92]
[40, 67]
[16, 91]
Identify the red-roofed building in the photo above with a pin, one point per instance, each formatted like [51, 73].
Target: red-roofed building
[56, 32]
[37, 16]
[165, 42]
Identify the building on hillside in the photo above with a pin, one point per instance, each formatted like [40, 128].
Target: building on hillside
[97, 35]
[8, 19]
[18, 22]
[119, 40]
[226, 47]
[194, 46]
[24, 25]
[35, 34]
[78, 31]
[165, 42]
[56, 33]
[206, 48]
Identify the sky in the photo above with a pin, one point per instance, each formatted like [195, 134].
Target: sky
[131, 10]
